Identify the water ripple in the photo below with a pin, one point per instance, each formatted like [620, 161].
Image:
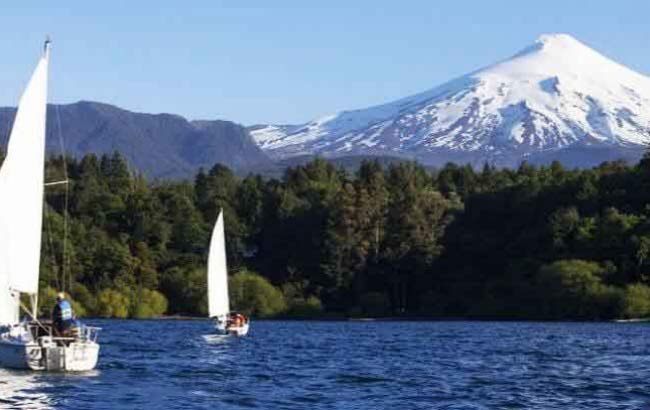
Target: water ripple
[356, 365]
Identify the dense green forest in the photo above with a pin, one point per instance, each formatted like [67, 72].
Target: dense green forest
[533, 242]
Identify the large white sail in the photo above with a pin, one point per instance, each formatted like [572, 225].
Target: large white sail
[21, 196]
[218, 301]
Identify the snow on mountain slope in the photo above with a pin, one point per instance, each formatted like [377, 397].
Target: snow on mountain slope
[267, 133]
[555, 94]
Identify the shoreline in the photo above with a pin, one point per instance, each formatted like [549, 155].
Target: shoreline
[389, 319]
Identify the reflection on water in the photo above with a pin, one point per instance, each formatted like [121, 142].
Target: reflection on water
[23, 390]
[216, 339]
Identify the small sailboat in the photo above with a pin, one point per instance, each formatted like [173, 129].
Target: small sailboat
[30, 344]
[226, 322]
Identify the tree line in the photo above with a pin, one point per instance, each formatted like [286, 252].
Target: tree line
[402, 240]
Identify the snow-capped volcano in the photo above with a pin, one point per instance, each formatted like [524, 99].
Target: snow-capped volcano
[553, 97]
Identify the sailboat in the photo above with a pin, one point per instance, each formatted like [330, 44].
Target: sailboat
[30, 344]
[226, 322]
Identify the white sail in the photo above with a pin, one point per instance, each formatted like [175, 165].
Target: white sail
[218, 301]
[21, 196]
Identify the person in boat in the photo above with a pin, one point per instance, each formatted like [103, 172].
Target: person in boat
[62, 315]
[237, 320]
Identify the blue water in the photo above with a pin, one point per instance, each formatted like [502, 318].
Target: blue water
[352, 365]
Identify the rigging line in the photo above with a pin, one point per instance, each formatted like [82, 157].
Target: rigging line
[71, 254]
[56, 266]
[65, 259]
[48, 227]
[56, 183]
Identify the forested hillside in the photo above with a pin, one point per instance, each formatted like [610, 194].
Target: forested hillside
[545, 243]
[159, 145]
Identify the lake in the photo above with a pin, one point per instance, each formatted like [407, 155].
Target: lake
[352, 365]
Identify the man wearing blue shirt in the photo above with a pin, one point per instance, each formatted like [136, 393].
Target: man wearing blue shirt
[62, 316]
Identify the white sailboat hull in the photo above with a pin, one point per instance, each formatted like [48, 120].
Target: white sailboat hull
[222, 329]
[41, 355]
[19, 355]
[22, 347]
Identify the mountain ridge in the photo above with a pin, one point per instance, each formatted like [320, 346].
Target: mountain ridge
[159, 145]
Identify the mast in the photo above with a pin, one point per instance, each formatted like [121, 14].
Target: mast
[46, 55]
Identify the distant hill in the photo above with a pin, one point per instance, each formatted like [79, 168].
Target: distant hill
[160, 145]
[350, 163]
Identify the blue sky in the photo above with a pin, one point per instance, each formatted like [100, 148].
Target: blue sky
[278, 61]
